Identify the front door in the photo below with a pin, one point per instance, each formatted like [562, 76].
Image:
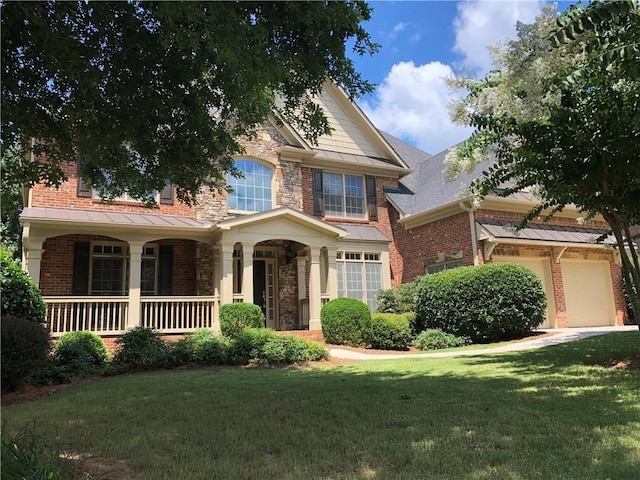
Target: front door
[264, 288]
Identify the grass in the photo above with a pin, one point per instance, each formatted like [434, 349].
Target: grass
[553, 413]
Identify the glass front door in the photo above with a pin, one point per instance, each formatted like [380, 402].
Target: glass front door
[264, 289]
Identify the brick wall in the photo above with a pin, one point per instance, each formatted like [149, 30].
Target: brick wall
[66, 196]
[56, 276]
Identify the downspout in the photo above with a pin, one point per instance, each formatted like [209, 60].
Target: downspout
[472, 224]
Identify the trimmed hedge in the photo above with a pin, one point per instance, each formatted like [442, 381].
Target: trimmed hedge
[141, 348]
[391, 331]
[201, 347]
[487, 303]
[346, 321]
[20, 296]
[400, 299]
[25, 347]
[432, 339]
[85, 350]
[263, 346]
[235, 317]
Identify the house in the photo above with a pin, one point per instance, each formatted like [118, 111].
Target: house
[357, 212]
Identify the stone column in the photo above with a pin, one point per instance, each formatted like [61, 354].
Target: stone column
[332, 273]
[315, 292]
[226, 274]
[247, 272]
[135, 272]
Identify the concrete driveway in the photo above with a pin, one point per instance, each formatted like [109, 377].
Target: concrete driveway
[560, 335]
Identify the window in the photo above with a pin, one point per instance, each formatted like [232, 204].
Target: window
[102, 268]
[439, 267]
[253, 192]
[359, 276]
[344, 195]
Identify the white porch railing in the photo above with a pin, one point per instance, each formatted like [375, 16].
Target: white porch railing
[177, 314]
[303, 309]
[102, 315]
[110, 315]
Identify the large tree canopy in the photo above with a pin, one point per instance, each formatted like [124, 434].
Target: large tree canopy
[145, 92]
[561, 115]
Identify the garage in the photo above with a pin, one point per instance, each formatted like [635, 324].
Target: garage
[539, 266]
[588, 293]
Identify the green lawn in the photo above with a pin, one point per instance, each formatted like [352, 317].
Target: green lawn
[554, 413]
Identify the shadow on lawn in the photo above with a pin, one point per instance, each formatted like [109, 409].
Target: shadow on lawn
[531, 415]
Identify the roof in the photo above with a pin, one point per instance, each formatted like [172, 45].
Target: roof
[500, 229]
[52, 214]
[426, 188]
[363, 233]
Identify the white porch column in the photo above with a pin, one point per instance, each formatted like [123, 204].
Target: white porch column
[314, 290]
[332, 274]
[386, 269]
[301, 262]
[247, 272]
[217, 276]
[135, 272]
[226, 278]
[33, 258]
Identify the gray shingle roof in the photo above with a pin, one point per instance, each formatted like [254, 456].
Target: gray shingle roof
[427, 183]
[363, 233]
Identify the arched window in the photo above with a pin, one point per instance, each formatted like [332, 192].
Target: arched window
[253, 192]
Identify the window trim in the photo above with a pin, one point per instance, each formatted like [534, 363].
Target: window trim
[364, 258]
[447, 265]
[344, 214]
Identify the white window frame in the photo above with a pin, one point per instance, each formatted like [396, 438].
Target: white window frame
[235, 182]
[442, 266]
[363, 258]
[343, 208]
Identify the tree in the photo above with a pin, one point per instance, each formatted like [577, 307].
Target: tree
[145, 92]
[559, 120]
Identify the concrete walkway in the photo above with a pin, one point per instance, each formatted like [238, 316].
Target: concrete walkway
[561, 335]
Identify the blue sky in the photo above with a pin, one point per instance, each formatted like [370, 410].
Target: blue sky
[424, 42]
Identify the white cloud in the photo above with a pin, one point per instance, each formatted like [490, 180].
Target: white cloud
[398, 28]
[412, 102]
[480, 23]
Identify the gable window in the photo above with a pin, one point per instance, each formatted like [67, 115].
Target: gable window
[253, 192]
[343, 195]
[359, 276]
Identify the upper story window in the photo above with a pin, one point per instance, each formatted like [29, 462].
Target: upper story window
[253, 192]
[344, 196]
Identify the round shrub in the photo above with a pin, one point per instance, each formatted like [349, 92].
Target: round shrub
[84, 351]
[141, 348]
[346, 321]
[432, 339]
[20, 296]
[487, 303]
[201, 347]
[391, 331]
[263, 346]
[25, 347]
[386, 301]
[235, 317]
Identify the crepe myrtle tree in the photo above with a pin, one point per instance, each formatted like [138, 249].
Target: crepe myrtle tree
[560, 116]
[149, 92]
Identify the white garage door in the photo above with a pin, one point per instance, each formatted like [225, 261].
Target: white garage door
[588, 293]
[539, 266]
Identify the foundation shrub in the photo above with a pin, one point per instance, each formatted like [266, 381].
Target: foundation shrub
[487, 303]
[140, 349]
[432, 339]
[263, 346]
[25, 348]
[201, 347]
[20, 296]
[398, 300]
[235, 317]
[346, 321]
[391, 331]
[83, 351]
